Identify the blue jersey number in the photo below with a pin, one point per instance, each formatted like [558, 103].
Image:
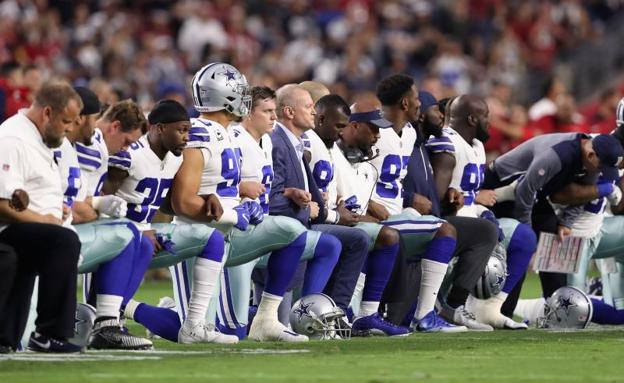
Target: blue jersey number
[388, 185]
[155, 191]
[267, 180]
[471, 181]
[323, 174]
[230, 171]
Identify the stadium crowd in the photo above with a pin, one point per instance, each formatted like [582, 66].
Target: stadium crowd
[365, 207]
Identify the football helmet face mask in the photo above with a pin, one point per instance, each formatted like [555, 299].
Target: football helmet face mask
[491, 282]
[317, 316]
[83, 324]
[567, 308]
[219, 86]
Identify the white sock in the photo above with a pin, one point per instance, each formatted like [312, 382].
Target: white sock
[368, 308]
[131, 308]
[432, 276]
[356, 299]
[205, 277]
[267, 310]
[530, 309]
[108, 305]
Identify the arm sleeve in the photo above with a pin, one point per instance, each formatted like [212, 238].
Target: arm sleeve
[441, 144]
[542, 169]
[12, 170]
[121, 160]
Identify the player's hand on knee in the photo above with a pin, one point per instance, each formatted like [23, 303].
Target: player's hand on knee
[151, 234]
[110, 205]
[256, 214]
[214, 210]
[242, 217]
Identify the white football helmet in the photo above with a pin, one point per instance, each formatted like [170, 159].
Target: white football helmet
[83, 324]
[317, 316]
[491, 282]
[220, 86]
[567, 308]
[619, 113]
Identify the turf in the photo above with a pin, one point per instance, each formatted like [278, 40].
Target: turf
[501, 356]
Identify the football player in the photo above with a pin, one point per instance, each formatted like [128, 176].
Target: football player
[211, 165]
[142, 176]
[111, 250]
[426, 235]
[322, 250]
[458, 160]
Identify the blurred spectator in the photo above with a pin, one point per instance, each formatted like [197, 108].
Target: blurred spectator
[507, 121]
[602, 118]
[565, 119]
[14, 95]
[546, 106]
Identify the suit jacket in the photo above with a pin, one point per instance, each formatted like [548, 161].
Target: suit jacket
[287, 174]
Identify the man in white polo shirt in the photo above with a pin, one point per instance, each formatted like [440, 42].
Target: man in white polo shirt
[44, 248]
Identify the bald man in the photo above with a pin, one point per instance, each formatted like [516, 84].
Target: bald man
[295, 193]
[458, 160]
[316, 89]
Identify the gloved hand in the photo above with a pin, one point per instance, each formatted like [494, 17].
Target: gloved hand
[487, 214]
[166, 243]
[610, 191]
[242, 217]
[352, 205]
[256, 214]
[110, 205]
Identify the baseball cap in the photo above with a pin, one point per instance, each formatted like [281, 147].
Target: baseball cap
[166, 111]
[374, 117]
[90, 102]
[427, 100]
[610, 152]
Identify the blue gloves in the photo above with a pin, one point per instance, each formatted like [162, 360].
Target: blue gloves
[256, 214]
[352, 205]
[166, 243]
[242, 214]
[487, 214]
[605, 188]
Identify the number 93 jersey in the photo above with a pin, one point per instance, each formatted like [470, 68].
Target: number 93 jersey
[222, 161]
[391, 165]
[469, 168]
[257, 161]
[148, 182]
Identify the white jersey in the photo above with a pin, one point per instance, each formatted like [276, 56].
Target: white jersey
[222, 161]
[391, 165]
[27, 163]
[93, 160]
[148, 182]
[321, 165]
[469, 171]
[355, 183]
[257, 160]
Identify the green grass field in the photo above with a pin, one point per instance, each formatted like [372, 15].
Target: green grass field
[596, 354]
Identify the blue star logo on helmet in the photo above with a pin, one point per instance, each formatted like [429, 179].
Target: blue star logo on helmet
[230, 78]
[499, 280]
[566, 303]
[303, 309]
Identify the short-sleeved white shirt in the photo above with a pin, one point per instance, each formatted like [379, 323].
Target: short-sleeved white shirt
[27, 163]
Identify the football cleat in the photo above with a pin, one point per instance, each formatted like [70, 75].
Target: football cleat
[268, 330]
[200, 332]
[5, 349]
[462, 317]
[376, 325]
[432, 322]
[108, 335]
[41, 343]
